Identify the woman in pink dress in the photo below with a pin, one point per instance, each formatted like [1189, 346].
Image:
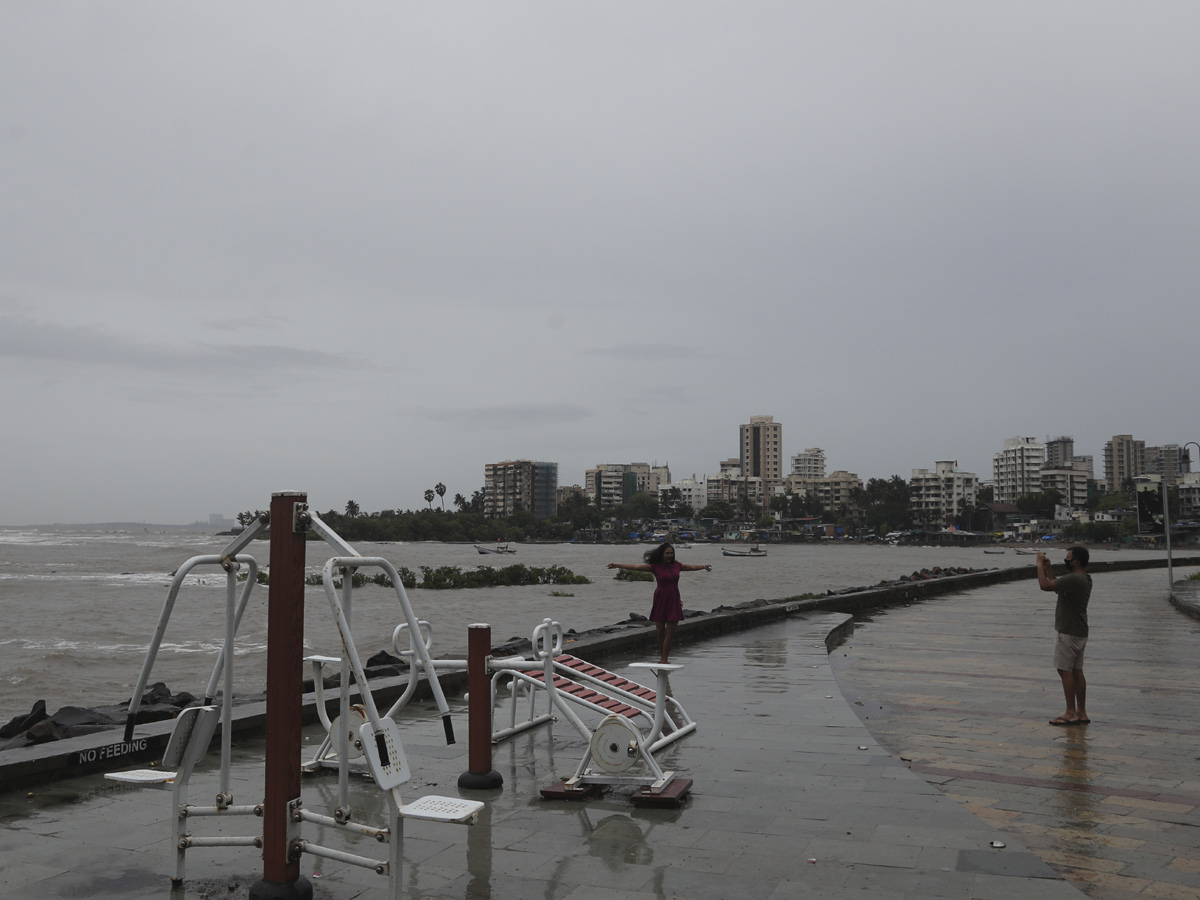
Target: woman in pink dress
[668, 607]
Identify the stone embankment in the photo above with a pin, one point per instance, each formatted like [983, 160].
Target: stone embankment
[75, 741]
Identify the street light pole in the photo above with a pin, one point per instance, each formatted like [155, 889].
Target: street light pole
[1167, 516]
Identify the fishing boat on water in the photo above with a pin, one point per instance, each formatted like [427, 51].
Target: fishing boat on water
[499, 548]
[752, 551]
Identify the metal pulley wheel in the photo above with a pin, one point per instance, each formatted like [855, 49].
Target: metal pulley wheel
[614, 745]
[356, 717]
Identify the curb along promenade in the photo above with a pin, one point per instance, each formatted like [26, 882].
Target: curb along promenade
[23, 767]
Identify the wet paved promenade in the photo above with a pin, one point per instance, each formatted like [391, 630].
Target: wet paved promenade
[963, 688]
[785, 772]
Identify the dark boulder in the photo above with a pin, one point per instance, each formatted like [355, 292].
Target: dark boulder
[44, 732]
[74, 716]
[21, 724]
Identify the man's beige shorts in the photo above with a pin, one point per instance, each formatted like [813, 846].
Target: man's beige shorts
[1068, 652]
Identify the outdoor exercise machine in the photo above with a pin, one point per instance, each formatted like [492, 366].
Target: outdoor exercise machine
[282, 810]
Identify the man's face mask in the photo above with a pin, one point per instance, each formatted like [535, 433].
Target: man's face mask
[1067, 562]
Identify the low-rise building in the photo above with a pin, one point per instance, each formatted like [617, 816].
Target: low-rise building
[836, 491]
[938, 497]
[1070, 482]
[693, 492]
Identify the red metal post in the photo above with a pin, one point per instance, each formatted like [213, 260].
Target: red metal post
[285, 689]
[480, 775]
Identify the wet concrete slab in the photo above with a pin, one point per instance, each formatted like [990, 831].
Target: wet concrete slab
[792, 796]
[963, 689]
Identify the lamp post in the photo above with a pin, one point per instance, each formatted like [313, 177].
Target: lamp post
[1167, 517]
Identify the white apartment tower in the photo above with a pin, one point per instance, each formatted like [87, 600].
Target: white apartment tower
[938, 497]
[1016, 470]
[809, 465]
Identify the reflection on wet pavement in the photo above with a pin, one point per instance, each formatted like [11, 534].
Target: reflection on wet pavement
[962, 687]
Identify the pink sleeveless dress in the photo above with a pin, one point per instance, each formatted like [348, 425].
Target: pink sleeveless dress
[668, 606]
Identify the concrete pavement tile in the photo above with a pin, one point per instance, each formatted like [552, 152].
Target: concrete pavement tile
[863, 852]
[487, 861]
[118, 882]
[1017, 863]
[1188, 864]
[18, 873]
[1000, 887]
[576, 870]
[1169, 891]
[676, 882]
[599, 892]
[958, 835]
[910, 885]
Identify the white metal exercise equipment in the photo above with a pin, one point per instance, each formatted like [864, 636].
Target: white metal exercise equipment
[377, 737]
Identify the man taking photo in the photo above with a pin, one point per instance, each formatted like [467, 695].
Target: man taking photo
[1070, 621]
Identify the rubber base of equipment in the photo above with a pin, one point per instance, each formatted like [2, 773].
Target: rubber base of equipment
[672, 795]
[560, 791]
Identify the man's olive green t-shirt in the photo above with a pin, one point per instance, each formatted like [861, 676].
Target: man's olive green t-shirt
[1070, 613]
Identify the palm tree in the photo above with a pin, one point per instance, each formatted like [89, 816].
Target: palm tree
[429, 495]
[461, 502]
[352, 509]
[441, 492]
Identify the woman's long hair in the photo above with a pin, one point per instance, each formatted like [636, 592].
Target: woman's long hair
[655, 556]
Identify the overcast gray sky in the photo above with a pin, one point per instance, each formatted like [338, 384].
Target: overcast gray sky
[357, 249]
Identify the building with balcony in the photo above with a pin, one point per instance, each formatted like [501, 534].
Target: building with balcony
[1070, 481]
[1016, 470]
[836, 491]
[520, 486]
[761, 455]
[1059, 452]
[938, 497]
[1124, 460]
[808, 465]
[1188, 485]
[1170, 461]
[744, 493]
[692, 491]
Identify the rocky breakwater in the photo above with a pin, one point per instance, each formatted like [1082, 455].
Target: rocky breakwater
[158, 704]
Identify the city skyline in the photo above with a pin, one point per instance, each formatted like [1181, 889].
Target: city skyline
[362, 255]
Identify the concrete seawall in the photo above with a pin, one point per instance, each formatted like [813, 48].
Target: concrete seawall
[26, 766]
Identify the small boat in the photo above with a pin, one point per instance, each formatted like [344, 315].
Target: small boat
[994, 551]
[499, 548]
[1026, 552]
[753, 551]
[684, 545]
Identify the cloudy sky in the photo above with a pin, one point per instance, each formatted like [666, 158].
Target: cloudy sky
[357, 249]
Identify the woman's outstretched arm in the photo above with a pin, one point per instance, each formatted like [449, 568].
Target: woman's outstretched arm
[687, 568]
[638, 567]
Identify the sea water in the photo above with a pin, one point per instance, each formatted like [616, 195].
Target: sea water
[78, 606]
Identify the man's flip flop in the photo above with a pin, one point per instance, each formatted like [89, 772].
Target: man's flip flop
[1059, 720]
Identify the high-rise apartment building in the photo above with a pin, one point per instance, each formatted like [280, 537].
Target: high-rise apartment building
[520, 486]
[1124, 458]
[761, 443]
[1016, 469]
[1170, 461]
[1059, 452]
